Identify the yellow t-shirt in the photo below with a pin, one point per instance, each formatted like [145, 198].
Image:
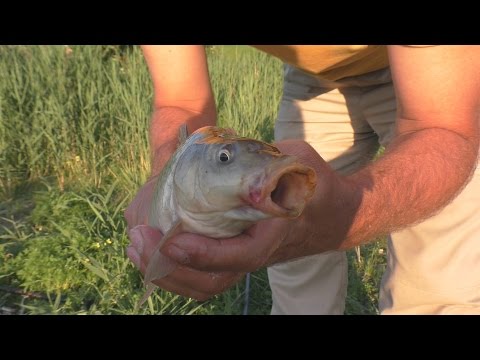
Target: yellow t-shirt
[331, 62]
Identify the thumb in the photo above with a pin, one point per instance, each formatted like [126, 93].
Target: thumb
[207, 254]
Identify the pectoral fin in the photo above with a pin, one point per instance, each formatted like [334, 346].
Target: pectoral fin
[159, 265]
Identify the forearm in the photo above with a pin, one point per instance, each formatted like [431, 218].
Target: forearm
[419, 174]
[164, 129]
[182, 95]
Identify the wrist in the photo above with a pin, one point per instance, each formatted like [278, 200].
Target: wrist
[164, 132]
[331, 220]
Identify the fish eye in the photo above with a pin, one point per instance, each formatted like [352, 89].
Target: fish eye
[224, 156]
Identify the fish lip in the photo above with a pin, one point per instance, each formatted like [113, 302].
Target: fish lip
[260, 192]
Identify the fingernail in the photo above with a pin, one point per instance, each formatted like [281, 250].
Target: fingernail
[136, 238]
[133, 256]
[176, 254]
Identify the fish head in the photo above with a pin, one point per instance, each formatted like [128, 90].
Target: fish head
[222, 171]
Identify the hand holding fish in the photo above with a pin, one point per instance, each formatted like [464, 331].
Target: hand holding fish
[201, 266]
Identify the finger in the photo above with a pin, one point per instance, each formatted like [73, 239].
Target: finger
[197, 285]
[188, 282]
[166, 283]
[134, 257]
[144, 238]
[173, 287]
[243, 253]
[295, 147]
[183, 281]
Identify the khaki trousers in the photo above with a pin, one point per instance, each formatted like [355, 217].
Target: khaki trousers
[433, 267]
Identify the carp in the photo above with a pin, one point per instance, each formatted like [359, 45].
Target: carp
[218, 184]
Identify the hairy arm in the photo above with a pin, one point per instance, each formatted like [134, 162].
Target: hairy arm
[182, 94]
[435, 149]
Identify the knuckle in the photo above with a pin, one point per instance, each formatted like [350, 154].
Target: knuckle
[200, 255]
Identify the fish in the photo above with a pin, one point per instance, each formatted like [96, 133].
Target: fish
[218, 184]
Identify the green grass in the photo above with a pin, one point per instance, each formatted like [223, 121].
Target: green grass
[73, 151]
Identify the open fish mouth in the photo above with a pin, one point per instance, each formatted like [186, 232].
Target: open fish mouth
[284, 189]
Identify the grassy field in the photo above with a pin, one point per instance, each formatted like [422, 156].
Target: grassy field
[73, 151]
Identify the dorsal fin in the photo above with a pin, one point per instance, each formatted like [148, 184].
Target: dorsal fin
[182, 134]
